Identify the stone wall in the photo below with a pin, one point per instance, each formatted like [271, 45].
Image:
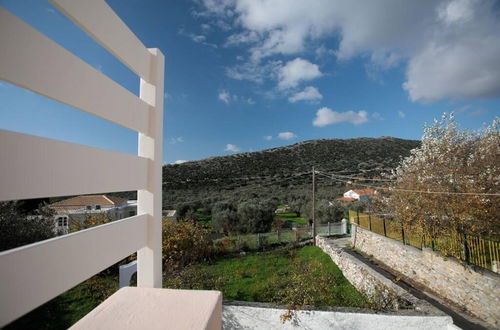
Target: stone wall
[380, 290]
[477, 291]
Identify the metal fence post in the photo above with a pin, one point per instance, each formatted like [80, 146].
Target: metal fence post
[385, 230]
[370, 222]
[466, 249]
[403, 233]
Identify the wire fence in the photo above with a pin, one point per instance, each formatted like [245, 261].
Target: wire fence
[249, 242]
[474, 250]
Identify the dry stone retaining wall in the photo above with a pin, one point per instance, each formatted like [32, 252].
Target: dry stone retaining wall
[375, 286]
[477, 291]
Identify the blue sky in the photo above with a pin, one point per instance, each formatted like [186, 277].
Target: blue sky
[247, 75]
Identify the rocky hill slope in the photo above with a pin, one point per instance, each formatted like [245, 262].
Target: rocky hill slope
[280, 171]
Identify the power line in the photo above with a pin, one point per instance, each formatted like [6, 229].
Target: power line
[414, 191]
[360, 178]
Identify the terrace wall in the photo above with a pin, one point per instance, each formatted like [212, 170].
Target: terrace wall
[377, 288]
[476, 290]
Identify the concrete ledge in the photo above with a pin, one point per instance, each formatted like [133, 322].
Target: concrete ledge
[148, 308]
[247, 317]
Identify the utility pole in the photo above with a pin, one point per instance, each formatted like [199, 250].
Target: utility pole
[314, 206]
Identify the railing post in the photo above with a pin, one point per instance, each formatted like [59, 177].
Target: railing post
[149, 201]
[466, 250]
[385, 229]
[370, 222]
[403, 233]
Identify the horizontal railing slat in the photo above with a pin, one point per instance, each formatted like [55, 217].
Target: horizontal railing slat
[33, 167]
[31, 60]
[100, 21]
[33, 274]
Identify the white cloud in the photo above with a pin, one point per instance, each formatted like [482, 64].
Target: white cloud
[456, 11]
[250, 101]
[326, 116]
[295, 71]
[231, 147]
[286, 136]
[465, 70]
[309, 93]
[198, 38]
[180, 161]
[268, 137]
[255, 72]
[377, 116]
[450, 49]
[206, 27]
[401, 114]
[322, 51]
[224, 96]
[175, 140]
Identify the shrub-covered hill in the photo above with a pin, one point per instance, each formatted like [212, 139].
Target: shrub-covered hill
[279, 170]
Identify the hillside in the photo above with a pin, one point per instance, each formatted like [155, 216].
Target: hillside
[280, 171]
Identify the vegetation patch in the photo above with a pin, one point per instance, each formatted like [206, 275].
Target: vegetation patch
[292, 277]
[291, 217]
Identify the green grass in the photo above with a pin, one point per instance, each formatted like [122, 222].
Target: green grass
[264, 277]
[291, 217]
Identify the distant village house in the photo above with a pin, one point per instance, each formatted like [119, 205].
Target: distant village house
[357, 195]
[170, 215]
[77, 208]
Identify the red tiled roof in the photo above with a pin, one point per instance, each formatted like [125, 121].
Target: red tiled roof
[367, 191]
[82, 201]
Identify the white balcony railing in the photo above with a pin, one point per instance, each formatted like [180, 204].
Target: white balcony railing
[33, 167]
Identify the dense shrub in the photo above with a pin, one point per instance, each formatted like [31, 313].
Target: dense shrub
[184, 243]
[90, 220]
[17, 228]
[299, 291]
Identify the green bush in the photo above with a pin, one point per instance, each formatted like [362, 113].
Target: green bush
[184, 243]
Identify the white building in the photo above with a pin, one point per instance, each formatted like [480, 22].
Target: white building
[77, 208]
[358, 195]
[170, 215]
